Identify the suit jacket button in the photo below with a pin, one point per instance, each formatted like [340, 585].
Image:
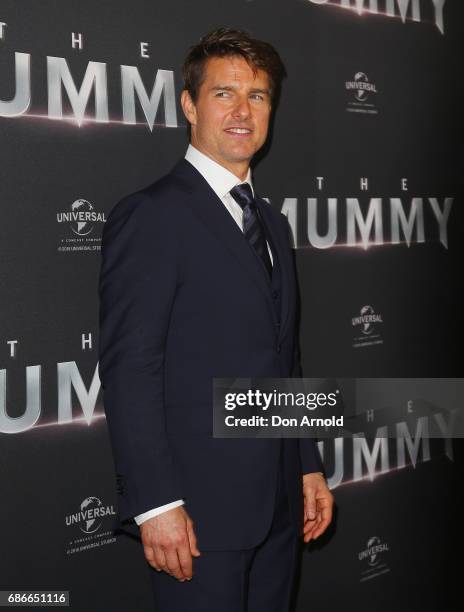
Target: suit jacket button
[119, 484]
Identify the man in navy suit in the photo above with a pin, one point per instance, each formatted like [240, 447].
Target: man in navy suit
[197, 282]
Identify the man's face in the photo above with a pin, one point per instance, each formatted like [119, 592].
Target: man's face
[230, 118]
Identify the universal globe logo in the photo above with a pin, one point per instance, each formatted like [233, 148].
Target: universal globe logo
[366, 319]
[372, 551]
[82, 210]
[90, 517]
[361, 86]
[81, 218]
[366, 327]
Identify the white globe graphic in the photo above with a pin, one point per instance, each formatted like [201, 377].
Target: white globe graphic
[368, 328]
[373, 558]
[82, 228]
[361, 94]
[92, 524]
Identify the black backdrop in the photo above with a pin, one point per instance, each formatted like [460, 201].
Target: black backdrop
[372, 106]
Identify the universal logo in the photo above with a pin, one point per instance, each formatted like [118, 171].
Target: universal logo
[82, 222]
[90, 519]
[366, 326]
[362, 95]
[373, 556]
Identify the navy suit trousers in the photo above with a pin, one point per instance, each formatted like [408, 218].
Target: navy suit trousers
[258, 579]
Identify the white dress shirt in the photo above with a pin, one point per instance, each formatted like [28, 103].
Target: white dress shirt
[221, 182]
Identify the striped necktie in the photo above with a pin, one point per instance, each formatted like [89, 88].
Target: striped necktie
[252, 226]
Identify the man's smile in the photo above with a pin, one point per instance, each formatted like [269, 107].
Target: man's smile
[239, 131]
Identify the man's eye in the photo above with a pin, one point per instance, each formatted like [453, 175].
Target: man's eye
[258, 96]
[222, 93]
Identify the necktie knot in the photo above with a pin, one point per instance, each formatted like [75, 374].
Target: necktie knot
[243, 194]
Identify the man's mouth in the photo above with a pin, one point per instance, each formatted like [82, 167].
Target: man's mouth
[238, 130]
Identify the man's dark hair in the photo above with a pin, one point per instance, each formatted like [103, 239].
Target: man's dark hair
[225, 42]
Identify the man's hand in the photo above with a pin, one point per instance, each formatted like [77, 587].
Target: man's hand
[318, 505]
[169, 542]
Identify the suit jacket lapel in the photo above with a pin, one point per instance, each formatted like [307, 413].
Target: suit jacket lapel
[212, 212]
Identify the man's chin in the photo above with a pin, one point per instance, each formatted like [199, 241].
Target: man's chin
[239, 157]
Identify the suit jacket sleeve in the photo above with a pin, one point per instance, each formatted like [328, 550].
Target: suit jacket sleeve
[137, 285]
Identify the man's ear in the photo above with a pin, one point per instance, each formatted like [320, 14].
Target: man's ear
[188, 107]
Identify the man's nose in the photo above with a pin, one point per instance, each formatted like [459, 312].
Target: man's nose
[242, 109]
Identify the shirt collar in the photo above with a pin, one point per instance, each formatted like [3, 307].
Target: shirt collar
[219, 178]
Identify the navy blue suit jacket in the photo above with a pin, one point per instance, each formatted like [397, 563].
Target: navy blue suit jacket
[184, 299]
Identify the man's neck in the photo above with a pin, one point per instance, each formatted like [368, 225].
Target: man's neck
[240, 169]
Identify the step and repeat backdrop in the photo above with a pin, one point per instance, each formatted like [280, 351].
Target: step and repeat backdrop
[365, 159]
